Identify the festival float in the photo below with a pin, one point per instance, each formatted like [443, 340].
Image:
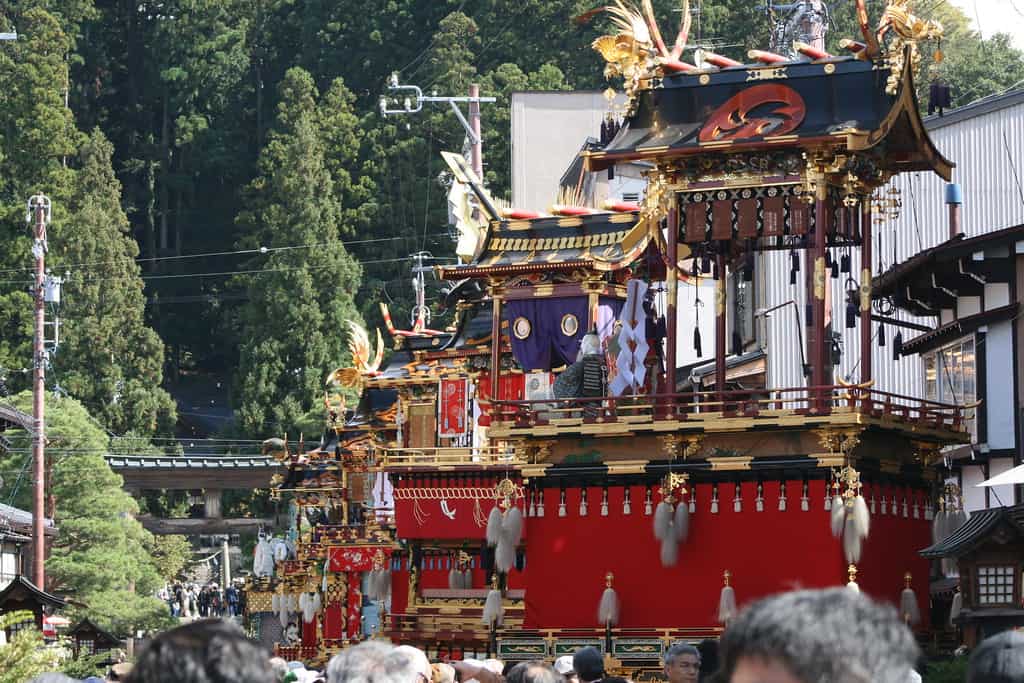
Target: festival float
[541, 475]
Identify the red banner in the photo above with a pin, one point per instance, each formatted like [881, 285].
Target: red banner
[355, 558]
[454, 407]
[441, 507]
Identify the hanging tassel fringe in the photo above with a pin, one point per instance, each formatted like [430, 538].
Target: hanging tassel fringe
[909, 610]
[504, 556]
[608, 609]
[861, 516]
[512, 526]
[663, 520]
[681, 523]
[669, 552]
[494, 520]
[726, 605]
[838, 517]
[494, 611]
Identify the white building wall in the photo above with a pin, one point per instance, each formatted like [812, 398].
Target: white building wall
[999, 385]
[548, 130]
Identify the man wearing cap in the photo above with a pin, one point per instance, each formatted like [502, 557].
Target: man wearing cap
[588, 665]
[563, 665]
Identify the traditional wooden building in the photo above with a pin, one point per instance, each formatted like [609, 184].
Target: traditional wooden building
[89, 639]
[989, 553]
[22, 595]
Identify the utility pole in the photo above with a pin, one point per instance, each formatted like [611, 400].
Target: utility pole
[413, 100]
[39, 211]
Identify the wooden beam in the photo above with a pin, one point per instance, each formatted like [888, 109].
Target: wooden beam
[224, 525]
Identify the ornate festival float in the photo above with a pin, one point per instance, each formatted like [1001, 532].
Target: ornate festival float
[541, 475]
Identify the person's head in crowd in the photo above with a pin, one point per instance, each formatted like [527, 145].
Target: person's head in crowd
[279, 667]
[207, 651]
[999, 659]
[708, 649]
[442, 673]
[419, 658]
[377, 662]
[682, 663]
[563, 666]
[817, 636]
[119, 671]
[588, 664]
[533, 671]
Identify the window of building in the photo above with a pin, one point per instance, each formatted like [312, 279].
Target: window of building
[86, 646]
[950, 376]
[995, 585]
[9, 561]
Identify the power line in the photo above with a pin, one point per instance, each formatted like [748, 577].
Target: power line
[258, 250]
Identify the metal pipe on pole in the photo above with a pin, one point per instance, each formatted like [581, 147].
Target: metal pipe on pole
[39, 213]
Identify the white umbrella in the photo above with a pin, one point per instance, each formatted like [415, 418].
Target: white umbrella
[1014, 476]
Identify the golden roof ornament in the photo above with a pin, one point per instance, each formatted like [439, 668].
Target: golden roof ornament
[907, 30]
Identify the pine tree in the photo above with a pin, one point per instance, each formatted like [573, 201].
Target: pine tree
[291, 330]
[100, 556]
[109, 359]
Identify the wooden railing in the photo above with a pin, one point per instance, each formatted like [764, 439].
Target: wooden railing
[704, 405]
[447, 457]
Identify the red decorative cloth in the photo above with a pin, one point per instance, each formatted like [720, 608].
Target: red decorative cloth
[355, 606]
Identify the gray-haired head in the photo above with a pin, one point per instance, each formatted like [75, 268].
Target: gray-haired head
[372, 662]
[533, 672]
[680, 649]
[822, 636]
[53, 678]
[999, 659]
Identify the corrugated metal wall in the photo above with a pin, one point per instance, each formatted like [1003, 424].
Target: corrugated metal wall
[986, 141]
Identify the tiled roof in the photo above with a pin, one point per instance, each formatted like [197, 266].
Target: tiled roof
[159, 462]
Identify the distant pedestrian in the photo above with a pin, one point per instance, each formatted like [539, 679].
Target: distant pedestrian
[231, 597]
[204, 602]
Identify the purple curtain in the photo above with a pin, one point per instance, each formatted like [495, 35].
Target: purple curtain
[546, 345]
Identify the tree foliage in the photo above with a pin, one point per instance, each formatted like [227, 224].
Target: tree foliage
[101, 555]
[204, 107]
[24, 657]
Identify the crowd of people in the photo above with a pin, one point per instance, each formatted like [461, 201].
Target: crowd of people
[812, 636]
[210, 600]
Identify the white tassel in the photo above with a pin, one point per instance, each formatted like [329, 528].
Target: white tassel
[726, 605]
[929, 512]
[494, 520]
[608, 609]
[693, 501]
[737, 502]
[906, 509]
[861, 516]
[275, 602]
[837, 519]
[938, 526]
[604, 503]
[583, 503]
[669, 552]
[648, 506]
[885, 505]
[540, 506]
[494, 611]
[956, 607]
[681, 523]
[829, 505]
[852, 585]
[909, 610]
[512, 525]
[782, 498]
[917, 509]
[714, 501]
[627, 507]
[805, 504]
[759, 504]
[851, 540]
[504, 556]
[454, 579]
[873, 506]
[532, 510]
[662, 520]
[383, 588]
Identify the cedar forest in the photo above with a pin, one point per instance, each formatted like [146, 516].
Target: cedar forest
[179, 138]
